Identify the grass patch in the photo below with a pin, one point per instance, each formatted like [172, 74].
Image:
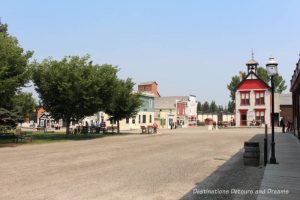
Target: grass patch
[39, 138]
[49, 137]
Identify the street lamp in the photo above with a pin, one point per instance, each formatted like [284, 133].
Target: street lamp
[272, 71]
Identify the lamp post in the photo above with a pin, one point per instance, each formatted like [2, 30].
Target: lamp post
[272, 71]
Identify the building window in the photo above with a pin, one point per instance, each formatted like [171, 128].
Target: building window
[150, 103]
[133, 120]
[260, 117]
[260, 98]
[139, 119]
[127, 120]
[144, 119]
[150, 118]
[245, 98]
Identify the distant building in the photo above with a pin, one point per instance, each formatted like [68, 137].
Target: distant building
[181, 110]
[253, 99]
[144, 116]
[286, 106]
[44, 119]
[165, 111]
[149, 87]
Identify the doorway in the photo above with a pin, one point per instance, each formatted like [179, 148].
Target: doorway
[243, 118]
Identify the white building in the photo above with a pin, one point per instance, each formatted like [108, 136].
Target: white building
[252, 99]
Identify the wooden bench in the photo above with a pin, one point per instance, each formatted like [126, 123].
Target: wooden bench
[144, 129]
[41, 129]
[147, 129]
[112, 128]
[150, 129]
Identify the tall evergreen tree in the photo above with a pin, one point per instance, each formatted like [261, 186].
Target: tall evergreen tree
[199, 107]
[213, 108]
[205, 107]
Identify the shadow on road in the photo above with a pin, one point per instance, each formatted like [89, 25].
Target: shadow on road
[232, 179]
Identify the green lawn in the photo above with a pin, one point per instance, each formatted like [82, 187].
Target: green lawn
[48, 137]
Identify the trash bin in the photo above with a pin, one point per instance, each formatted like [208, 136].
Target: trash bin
[251, 154]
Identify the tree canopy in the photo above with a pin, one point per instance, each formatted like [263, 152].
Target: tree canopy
[199, 107]
[14, 73]
[124, 103]
[213, 108]
[73, 88]
[205, 107]
[24, 104]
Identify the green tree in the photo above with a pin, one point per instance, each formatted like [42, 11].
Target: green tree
[199, 107]
[125, 103]
[73, 88]
[24, 103]
[220, 109]
[263, 74]
[231, 107]
[213, 108]
[14, 73]
[279, 84]
[205, 107]
[235, 81]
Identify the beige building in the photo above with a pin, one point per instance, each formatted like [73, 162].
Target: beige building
[144, 117]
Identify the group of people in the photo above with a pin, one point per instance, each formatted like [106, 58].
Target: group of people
[255, 123]
[286, 125]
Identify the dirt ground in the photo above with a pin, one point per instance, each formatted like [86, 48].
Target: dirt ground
[162, 166]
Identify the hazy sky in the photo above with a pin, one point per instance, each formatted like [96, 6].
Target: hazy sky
[187, 46]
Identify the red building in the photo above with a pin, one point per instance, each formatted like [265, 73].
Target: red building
[149, 87]
[181, 113]
[252, 99]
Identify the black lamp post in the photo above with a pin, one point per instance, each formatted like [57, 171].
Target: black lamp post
[272, 71]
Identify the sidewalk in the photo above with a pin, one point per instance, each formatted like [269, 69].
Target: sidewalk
[282, 181]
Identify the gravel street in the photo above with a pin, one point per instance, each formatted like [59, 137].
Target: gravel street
[167, 165]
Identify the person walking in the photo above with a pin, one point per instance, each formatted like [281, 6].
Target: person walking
[155, 127]
[289, 126]
[282, 124]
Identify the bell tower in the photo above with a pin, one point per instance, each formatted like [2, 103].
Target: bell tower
[252, 64]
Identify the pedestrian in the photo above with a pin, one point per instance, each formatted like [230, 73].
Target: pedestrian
[282, 124]
[289, 126]
[155, 127]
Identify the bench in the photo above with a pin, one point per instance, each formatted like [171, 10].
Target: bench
[103, 129]
[148, 129]
[144, 129]
[41, 129]
[112, 128]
